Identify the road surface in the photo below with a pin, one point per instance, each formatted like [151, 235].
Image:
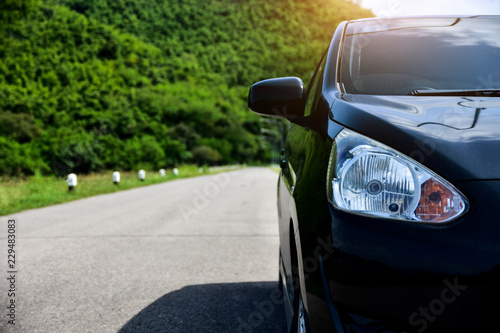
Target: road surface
[190, 255]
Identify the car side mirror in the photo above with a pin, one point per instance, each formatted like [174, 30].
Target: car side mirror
[281, 97]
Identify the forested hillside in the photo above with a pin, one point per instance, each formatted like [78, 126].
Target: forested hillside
[87, 85]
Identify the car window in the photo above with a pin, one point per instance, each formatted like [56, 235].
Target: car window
[401, 55]
[314, 87]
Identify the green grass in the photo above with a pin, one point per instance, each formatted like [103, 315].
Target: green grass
[39, 191]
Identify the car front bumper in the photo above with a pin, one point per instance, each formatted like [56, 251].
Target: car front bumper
[418, 278]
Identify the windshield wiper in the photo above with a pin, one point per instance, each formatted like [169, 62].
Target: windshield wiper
[461, 92]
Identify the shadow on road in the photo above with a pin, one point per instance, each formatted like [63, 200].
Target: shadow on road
[228, 307]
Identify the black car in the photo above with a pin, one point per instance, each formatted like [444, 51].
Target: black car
[390, 178]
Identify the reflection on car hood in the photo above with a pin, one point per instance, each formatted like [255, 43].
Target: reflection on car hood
[459, 137]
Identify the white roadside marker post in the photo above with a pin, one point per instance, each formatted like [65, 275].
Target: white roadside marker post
[116, 177]
[71, 180]
[142, 175]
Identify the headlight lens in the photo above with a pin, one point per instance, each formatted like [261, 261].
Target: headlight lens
[368, 178]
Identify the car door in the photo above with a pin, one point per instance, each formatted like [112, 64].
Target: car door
[298, 145]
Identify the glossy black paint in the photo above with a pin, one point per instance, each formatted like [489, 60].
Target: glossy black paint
[432, 130]
[360, 274]
[281, 97]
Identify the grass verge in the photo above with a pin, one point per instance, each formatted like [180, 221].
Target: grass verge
[39, 191]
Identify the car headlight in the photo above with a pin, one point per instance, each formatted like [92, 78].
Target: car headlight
[368, 178]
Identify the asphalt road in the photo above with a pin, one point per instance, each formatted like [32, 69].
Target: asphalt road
[190, 255]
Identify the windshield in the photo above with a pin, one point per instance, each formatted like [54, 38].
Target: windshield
[398, 56]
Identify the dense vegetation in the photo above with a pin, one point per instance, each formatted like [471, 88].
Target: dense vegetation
[87, 85]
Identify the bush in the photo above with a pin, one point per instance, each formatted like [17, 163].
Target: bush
[20, 127]
[206, 155]
[71, 151]
[19, 159]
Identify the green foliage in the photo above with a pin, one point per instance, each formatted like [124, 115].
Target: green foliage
[87, 85]
[79, 151]
[18, 159]
[19, 126]
[11, 10]
[229, 41]
[206, 155]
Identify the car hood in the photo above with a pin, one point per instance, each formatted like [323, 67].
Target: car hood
[458, 137]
